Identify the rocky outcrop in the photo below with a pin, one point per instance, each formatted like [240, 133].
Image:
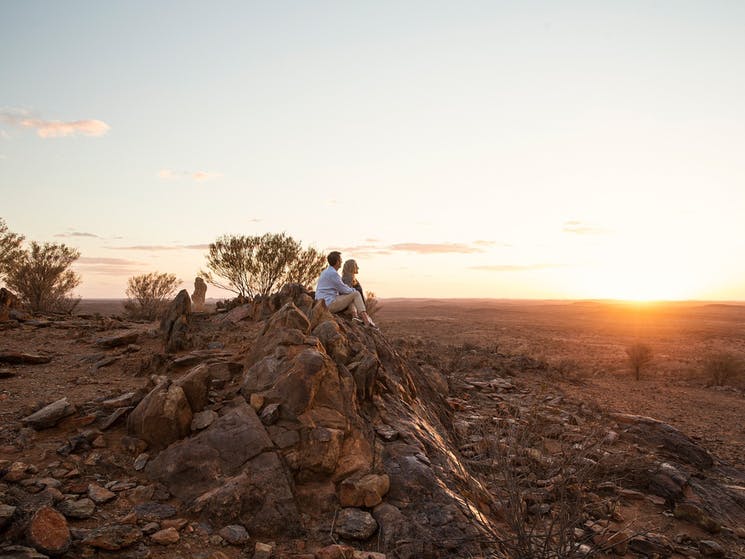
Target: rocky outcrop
[199, 294]
[174, 326]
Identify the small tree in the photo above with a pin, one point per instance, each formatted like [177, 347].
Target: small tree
[251, 266]
[639, 355]
[148, 294]
[42, 278]
[722, 366]
[10, 248]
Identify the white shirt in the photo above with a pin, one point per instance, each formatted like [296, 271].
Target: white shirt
[330, 286]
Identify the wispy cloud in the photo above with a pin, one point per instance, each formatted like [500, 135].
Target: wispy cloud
[76, 234]
[517, 267]
[53, 128]
[199, 176]
[374, 248]
[157, 248]
[580, 228]
[108, 266]
[436, 248]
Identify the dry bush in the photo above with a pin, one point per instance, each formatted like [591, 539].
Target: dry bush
[250, 266]
[372, 304]
[148, 294]
[640, 355]
[10, 248]
[42, 278]
[545, 497]
[722, 367]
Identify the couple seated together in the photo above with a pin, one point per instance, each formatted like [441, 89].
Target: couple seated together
[344, 293]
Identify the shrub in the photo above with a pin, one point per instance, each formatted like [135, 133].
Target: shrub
[640, 355]
[372, 304]
[10, 249]
[42, 278]
[148, 294]
[251, 266]
[722, 367]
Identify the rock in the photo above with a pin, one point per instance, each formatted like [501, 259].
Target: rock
[77, 509]
[118, 340]
[196, 384]
[6, 515]
[237, 314]
[150, 528]
[263, 550]
[270, 414]
[48, 532]
[203, 419]
[192, 466]
[18, 358]
[691, 512]
[200, 292]
[234, 534]
[365, 491]
[651, 544]
[50, 415]
[333, 340]
[260, 498]
[153, 512]
[174, 326]
[16, 472]
[678, 445]
[8, 301]
[710, 548]
[115, 416]
[20, 552]
[166, 536]
[141, 461]
[122, 401]
[100, 495]
[163, 416]
[113, 537]
[386, 432]
[355, 524]
[335, 551]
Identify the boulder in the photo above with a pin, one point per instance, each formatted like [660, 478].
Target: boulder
[335, 343]
[174, 326]
[48, 532]
[50, 415]
[234, 534]
[119, 340]
[196, 385]
[193, 466]
[162, 417]
[199, 294]
[355, 524]
[364, 491]
[260, 498]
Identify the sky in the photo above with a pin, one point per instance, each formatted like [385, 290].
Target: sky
[506, 149]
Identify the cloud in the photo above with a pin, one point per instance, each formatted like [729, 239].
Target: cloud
[435, 248]
[156, 248]
[516, 267]
[579, 228]
[75, 234]
[108, 266]
[199, 176]
[53, 128]
[418, 248]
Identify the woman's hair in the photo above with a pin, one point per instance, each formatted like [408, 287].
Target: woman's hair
[348, 271]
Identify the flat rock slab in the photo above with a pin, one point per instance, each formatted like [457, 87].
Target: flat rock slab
[114, 537]
[20, 552]
[119, 340]
[19, 358]
[50, 415]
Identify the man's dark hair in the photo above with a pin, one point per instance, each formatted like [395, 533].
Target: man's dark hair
[334, 257]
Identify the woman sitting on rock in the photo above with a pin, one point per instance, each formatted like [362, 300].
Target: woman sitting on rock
[349, 276]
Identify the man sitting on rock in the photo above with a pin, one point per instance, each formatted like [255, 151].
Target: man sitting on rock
[338, 295]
